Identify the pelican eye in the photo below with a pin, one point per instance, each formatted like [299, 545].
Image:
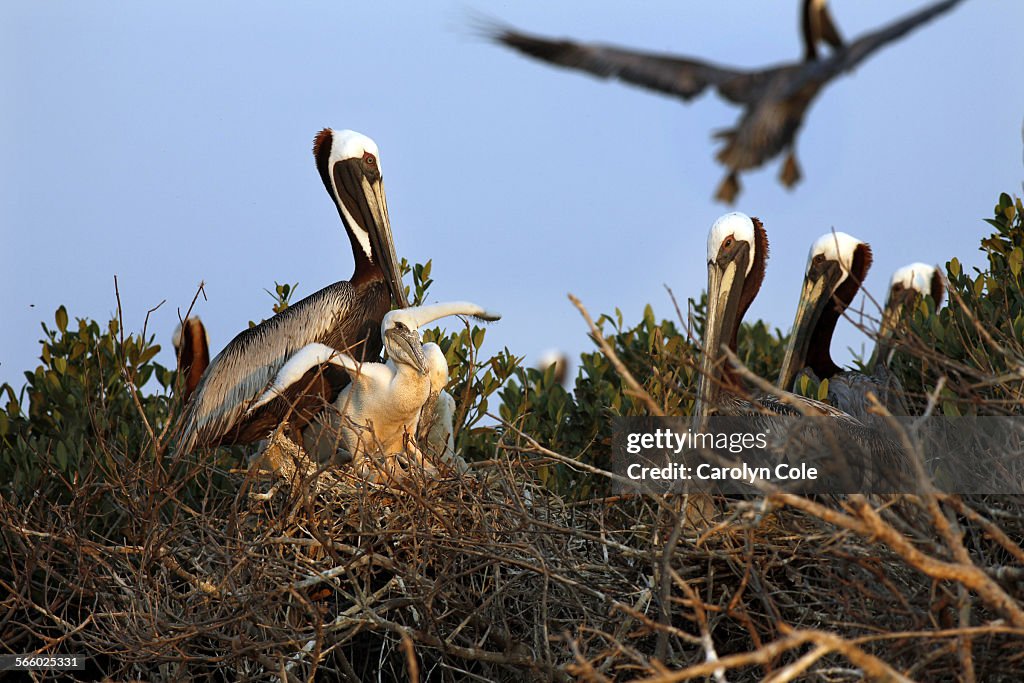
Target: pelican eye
[369, 160]
[727, 242]
[401, 327]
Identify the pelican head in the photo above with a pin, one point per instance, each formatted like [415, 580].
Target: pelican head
[836, 266]
[737, 253]
[194, 325]
[401, 327]
[908, 284]
[349, 165]
[404, 347]
[914, 280]
[192, 349]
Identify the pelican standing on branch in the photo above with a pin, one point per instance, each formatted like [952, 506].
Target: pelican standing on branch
[345, 316]
[836, 267]
[910, 283]
[737, 258]
[774, 99]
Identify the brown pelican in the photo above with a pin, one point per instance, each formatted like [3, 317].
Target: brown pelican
[379, 412]
[907, 284]
[345, 316]
[737, 255]
[560, 361]
[192, 349]
[774, 99]
[836, 266]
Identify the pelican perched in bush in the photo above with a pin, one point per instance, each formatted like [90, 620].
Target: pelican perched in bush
[345, 316]
[192, 350]
[910, 283]
[837, 265]
[775, 99]
[379, 412]
[557, 359]
[737, 259]
[737, 256]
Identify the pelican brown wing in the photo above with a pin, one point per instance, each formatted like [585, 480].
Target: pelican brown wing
[680, 76]
[248, 365]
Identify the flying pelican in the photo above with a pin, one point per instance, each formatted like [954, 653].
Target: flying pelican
[380, 410]
[737, 255]
[912, 281]
[774, 99]
[345, 316]
[192, 349]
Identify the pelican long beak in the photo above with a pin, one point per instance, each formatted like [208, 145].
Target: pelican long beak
[725, 285]
[384, 244]
[814, 297]
[364, 207]
[404, 346]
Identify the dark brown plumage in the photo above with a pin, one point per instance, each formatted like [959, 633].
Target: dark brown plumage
[192, 349]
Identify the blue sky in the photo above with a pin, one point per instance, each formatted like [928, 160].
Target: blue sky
[169, 144]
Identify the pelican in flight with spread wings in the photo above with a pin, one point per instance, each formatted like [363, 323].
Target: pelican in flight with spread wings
[774, 99]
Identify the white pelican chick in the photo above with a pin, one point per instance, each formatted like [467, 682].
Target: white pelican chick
[379, 412]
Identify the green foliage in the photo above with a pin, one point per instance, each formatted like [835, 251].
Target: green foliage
[977, 341]
[661, 358]
[81, 408]
[579, 424]
[420, 281]
[282, 296]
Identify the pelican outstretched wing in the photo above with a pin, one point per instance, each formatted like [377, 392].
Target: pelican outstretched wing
[680, 76]
[302, 361]
[862, 48]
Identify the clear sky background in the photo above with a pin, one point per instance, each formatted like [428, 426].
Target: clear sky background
[169, 143]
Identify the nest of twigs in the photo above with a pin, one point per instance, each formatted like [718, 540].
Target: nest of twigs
[487, 576]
